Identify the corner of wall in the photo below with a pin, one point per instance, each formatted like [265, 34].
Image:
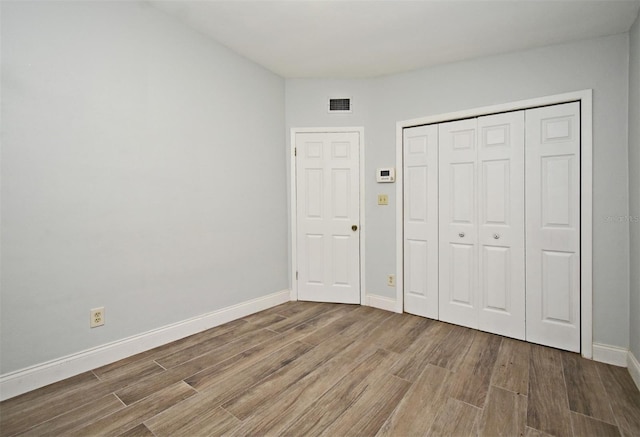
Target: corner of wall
[382, 302]
[634, 192]
[634, 368]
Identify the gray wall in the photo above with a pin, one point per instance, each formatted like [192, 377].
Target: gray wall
[634, 185]
[600, 64]
[142, 170]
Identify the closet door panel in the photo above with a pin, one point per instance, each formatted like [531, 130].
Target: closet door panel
[421, 220]
[501, 224]
[553, 226]
[458, 223]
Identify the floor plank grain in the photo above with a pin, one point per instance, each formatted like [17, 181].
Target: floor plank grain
[456, 418]
[548, 407]
[248, 402]
[421, 405]
[369, 412]
[419, 354]
[305, 368]
[138, 431]
[505, 414]
[585, 390]
[474, 373]
[326, 410]
[512, 366]
[67, 422]
[274, 417]
[150, 385]
[121, 366]
[200, 419]
[585, 426]
[624, 398]
[129, 417]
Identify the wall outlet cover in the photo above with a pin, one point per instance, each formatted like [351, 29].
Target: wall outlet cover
[391, 280]
[97, 317]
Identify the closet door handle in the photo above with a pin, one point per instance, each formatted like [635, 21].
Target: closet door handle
[496, 236]
[461, 235]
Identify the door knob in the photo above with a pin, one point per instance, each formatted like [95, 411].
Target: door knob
[354, 228]
[461, 234]
[496, 236]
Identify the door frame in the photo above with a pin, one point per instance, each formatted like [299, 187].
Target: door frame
[585, 97]
[294, 201]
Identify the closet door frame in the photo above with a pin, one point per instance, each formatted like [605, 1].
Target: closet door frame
[586, 194]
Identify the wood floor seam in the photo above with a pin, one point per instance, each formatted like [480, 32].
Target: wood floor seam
[471, 405]
[506, 389]
[401, 378]
[223, 408]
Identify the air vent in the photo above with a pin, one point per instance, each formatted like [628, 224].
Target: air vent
[341, 105]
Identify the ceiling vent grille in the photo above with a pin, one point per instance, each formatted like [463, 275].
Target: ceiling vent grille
[340, 105]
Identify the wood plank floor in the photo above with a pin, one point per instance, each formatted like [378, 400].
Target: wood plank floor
[307, 368]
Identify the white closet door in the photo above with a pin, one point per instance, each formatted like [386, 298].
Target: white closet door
[421, 221]
[328, 190]
[501, 259]
[553, 225]
[458, 207]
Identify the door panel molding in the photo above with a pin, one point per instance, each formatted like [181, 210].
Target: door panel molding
[556, 131]
[421, 222]
[553, 225]
[336, 154]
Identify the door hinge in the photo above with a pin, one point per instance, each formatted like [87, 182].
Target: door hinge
[295, 151]
[296, 276]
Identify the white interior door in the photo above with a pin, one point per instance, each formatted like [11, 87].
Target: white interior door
[421, 221]
[553, 225]
[328, 221]
[458, 211]
[501, 259]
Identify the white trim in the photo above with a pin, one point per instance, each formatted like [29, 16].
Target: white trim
[586, 222]
[294, 203]
[382, 302]
[614, 355]
[24, 380]
[634, 368]
[586, 189]
[400, 216]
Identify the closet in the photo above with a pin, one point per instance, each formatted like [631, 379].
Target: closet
[492, 223]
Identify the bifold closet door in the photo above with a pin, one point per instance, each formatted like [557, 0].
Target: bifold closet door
[458, 206]
[507, 185]
[421, 220]
[482, 223]
[501, 261]
[553, 225]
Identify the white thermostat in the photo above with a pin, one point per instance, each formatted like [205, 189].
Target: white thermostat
[386, 175]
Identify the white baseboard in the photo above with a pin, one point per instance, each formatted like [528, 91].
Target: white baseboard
[381, 302]
[610, 354]
[24, 380]
[634, 368]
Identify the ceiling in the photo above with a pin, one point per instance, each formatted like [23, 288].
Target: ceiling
[359, 39]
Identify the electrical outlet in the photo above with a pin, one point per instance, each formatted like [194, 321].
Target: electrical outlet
[97, 317]
[383, 199]
[391, 280]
